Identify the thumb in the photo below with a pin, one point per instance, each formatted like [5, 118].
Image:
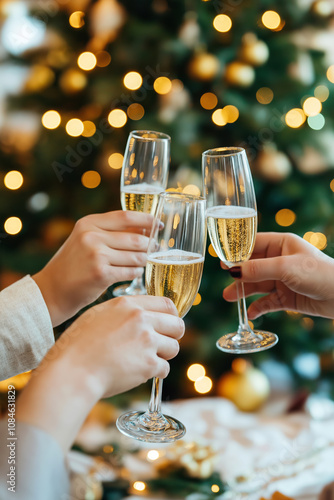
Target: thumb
[260, 270]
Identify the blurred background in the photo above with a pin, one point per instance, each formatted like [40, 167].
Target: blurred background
[77, 76]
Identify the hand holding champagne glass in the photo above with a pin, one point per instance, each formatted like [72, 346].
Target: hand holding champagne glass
[174, 269]
[232, 225]
[144, 176]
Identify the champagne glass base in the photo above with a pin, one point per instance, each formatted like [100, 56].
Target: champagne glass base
[138, 425]
[127, 289]
[251, 342]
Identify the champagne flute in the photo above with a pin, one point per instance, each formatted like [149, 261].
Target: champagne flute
[174, 269]
[232, 225]
[144, 176]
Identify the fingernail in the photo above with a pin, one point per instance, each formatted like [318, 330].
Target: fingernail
[235, 272]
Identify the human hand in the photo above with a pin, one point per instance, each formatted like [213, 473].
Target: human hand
[101, 250]
[292, 273]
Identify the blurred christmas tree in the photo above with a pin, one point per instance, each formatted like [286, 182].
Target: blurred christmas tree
[77, 76]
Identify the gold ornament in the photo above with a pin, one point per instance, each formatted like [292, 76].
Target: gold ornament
[273, 165]
[40, 78]
[253, 51]
[245, 385]
[73, 81]
[204, 67]
[239, 74]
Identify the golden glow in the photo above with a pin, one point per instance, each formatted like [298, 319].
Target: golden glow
[153, 455]
[192, 189]
[219, 118]
[115, 160]
[108, 448]
[13, 225]
[139, 486]
[87, 61]
[322, 93]
[74, 127]
[76, 19]
[171, 242]
[240, 365]
[330, 73]
[89, 128]
[103, 58]
[264, 95]
[91, 179]
[73, 80]
[13, 180]
[19, 381]
[162, 85]
[117, 118]
[308, 323]
[215, 488]
[198, 300]
[308, 235]
[177, 85]
[135, 111]
[51, 119]
[222, 23]
[285, 217]
[132, 80]
[312, 106]
[332, 185]
[318, 240]
[209, 100]
[203, 385]
[195, 372]
[295, 118]
[231, 113]
[271, 19]
[212, 251]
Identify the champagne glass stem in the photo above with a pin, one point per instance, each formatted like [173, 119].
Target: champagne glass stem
[242, 308]
[136, 287]
[155, 401]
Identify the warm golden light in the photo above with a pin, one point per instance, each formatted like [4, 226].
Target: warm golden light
[195, 372]
[318, 240]
[308, 235]
[51, 119]
[91, 179]
[198, 300]
[215, 488]
[103, 58]
[212, 251]
[74, 127]
[322, 93]
[13, 180]
[132, 80]
[115, 160]
[332, 185]
[76, 19]
[87, 61]
[13, 225]
[312, 106]
[308, 323]
[264, 95]
[203, 385]
[209, 100]
[117, 118]
[89, 128]
[222, 23]
[271, 19]
[330, 73]
[171, 242]
[73, 80]
[108, 448]
[162, 85]
[192, 189]
[135, 111]
[295, 118]
[139, 486]
[285, 217]
[153, 455]
[219, 117]
[231, 113]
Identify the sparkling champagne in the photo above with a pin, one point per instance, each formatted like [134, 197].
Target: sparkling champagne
[232, 231]
[140, 197]
[175, 274]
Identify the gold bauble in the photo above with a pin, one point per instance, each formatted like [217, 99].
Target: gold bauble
[273, 165]
[40, 78]
[246, 386]
[239, 74]
[253, 51]
[204, 67]
[72, 81]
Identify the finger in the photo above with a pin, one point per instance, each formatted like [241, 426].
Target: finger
[126, 258]
[230, 292]
[124, 274]
[121, 220]
[162, 369]
[268, 245]
[166, 324]
[270, 303]
[152, 303]
[167, 348]
[261, 269]
[119, 240]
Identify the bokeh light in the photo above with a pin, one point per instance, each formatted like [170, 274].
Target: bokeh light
[13, 180]
[51, 119]
[117, 118]
[312, 106]
[203, 385]
[192, 189]
[103, 58]
[318, 240]
[139, 486]
[87, 61]
[89, 128]
[321, 92]
[133, 80]
[316, 122]
[162, 85]
[135, 111]
[295, 118]
[330, 73]
[13, 225]
[222, 23]
[115, 160]
[91, 179]
[264, 95]
[231, 113]
[285, 217]
[219, 118]
[153, 455]
[195, 372]
[215, 488]
[271, 19]
[76, 19]
[332, 185]
[209, 100]
[212, 251]
[74, 127]
[198, 300]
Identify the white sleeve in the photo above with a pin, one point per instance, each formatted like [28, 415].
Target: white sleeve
[26, 332]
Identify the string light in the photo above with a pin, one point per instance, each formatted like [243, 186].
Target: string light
[312, 106]
[231, 113]
[318, 240]
[108, 448]
[13, 225]
[198, 300]
[89, 128]
[285, 217]
[212, 251]
[203, 385]
[316, 122]
[215, 488]
[295, 118]
[13, 180]
[308, 235]
[132, 80]
[51, 119]
[264, 95]
[74, 127]
[330, 73]
[139, 486]
[332, 185]
[195, 372]
[271, 19]
[208, 100]
[222, 23]
[103, 58]
[87, 61]
[91, 179]
[76, 19]
[162, 85]
[192, 189]
[153, 455]
[322, 93]
[117, 118]
[219, 118]
[115, 160]
[135, 111]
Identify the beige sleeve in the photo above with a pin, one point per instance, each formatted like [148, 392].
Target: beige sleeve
[26, 332]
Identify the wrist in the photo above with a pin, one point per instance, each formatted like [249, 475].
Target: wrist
[51, 300]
